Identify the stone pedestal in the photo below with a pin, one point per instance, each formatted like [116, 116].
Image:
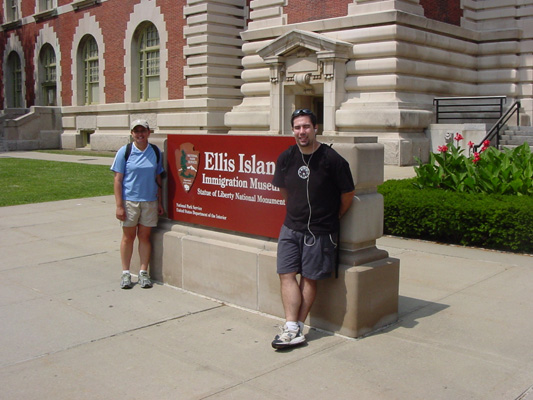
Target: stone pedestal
[362, 299]
[241, 270]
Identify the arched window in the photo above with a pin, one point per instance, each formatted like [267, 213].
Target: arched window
[49, 78]
[14, 84]
[149, 88]
[90, 71]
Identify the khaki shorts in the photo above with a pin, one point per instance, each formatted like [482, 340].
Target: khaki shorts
[141, 213]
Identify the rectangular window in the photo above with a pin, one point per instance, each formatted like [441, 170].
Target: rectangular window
[152, 63]
[12, 10]
[50, 68]
[45, 5]
[149, 82]
[18, 87]
[152, 74]
[50, 96]
[91, 73]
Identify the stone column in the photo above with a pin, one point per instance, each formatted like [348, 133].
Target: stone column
[366, 291]
[267, 13]
[277, 73]
[334, 72]
[213, 72]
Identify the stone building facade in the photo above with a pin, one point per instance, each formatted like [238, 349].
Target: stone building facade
[367, 67]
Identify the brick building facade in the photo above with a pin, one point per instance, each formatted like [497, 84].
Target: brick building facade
[368, 67]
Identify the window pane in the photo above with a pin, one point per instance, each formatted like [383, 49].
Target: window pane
[50, 96]
[16, 77]
[95, 93]
[149, 64]
[91, 71]
[49, 64]
[152, 61]
[153, 88]
[12, 10]
[46, 5]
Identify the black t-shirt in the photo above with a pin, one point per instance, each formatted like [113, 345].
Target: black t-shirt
[317, 192]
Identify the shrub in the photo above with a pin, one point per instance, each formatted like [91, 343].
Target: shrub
[502, 222]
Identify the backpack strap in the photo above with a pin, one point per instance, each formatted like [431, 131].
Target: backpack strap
[157, 156]
[156, 151]
[128, 151]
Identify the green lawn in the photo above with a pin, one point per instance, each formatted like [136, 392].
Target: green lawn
[24, 181]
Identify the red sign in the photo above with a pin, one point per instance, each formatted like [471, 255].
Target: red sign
[225, 181]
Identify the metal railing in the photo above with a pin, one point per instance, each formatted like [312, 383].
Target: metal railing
[502, 121]
[469, 108]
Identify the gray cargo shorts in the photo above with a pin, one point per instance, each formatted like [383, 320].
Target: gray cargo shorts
[313, 257]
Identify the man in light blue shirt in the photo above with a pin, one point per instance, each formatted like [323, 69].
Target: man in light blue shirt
[137, 186]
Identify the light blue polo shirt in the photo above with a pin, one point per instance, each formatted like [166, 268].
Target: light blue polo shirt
[139, 172]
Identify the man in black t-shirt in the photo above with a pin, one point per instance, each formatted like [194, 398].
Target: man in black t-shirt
[318, 189]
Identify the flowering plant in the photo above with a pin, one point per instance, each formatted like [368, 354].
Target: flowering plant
[487, 171]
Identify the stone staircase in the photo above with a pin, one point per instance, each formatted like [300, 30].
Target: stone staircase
[514, 136]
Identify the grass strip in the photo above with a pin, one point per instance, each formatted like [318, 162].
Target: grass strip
[25, 181]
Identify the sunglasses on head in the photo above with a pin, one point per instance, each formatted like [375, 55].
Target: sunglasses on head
[302, 111]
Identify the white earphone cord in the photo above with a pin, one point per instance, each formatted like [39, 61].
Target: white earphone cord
[309, 219]
[308, 202]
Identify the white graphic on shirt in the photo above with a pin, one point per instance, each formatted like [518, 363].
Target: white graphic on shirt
[303, 172]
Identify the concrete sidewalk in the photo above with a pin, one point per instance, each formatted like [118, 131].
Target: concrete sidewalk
[67, 331]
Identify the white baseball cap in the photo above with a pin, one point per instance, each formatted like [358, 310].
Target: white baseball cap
[140, 122]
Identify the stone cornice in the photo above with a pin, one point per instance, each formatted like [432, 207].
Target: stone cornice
[45, 14]
[382, 18]
[77, 5]
[12, 24]
[312, 41]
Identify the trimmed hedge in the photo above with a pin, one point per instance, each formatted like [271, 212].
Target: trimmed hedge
[500, 222]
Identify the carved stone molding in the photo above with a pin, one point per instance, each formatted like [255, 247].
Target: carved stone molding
[77, 5]
[305, 64]
[42, 15]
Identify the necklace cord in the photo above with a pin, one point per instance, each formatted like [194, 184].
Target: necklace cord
[307, 164]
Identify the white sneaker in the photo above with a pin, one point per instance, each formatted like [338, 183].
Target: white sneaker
[144, 280]
[125, 282]
[288, 338]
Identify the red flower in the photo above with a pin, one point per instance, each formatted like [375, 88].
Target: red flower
[477, 157]
[442, 149]
[458, 136]
[486, 145]
[470, 144]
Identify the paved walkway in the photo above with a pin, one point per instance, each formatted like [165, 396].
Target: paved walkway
[68, 332]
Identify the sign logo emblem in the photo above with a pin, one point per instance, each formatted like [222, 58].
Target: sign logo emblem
[187, 162]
